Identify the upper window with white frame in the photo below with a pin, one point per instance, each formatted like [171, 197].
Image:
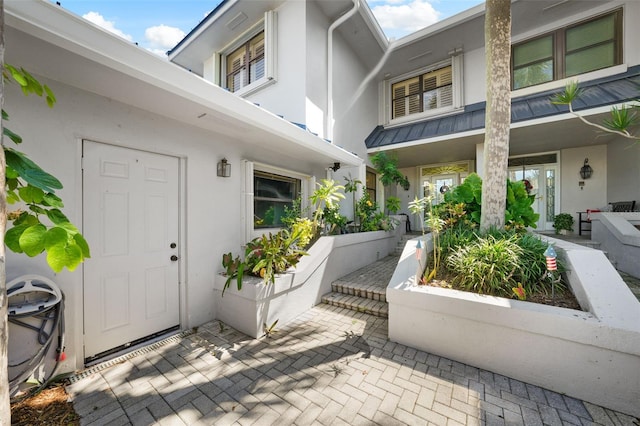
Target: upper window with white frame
[587, 46]
[429, 91]
[245, 65]
[425, 92]
[249, 62]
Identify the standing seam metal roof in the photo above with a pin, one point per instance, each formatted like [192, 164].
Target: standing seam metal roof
[597, 93]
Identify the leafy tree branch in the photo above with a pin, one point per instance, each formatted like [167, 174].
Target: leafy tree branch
[621, 119]
[32, 187]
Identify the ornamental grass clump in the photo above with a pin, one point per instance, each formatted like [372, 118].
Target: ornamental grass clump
[533, 271]
[488, 265]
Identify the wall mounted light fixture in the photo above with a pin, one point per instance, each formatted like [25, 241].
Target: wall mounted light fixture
[586, 170]
[335, 167]
[224, 168]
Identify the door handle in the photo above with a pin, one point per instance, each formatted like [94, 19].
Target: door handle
[174, 258]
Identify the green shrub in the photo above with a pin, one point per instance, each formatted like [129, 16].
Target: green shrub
[452, 238]
[334, 220]
[292, 214]
[563, 221]
[273, 254]
[518, 214]
[470, 194]
[303, 227]
[488, 265]
[534, 267]
[367, 211]
[393, 205]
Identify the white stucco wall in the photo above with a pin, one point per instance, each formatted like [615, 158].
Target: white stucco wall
[593, 194]
[316, 68]
[623, 171]
[52, 138]
[286, 96]
[474, 77]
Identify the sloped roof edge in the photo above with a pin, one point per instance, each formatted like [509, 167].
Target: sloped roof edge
[611, 90]
[130, 64]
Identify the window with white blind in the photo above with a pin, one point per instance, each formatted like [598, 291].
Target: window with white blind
[245, 65]
[429, 91]
[249, 62]
[426, 92]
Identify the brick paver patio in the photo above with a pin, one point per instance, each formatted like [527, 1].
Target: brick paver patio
[329, 367]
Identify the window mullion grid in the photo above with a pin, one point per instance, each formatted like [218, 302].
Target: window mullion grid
[247, 50]
[559, 49]
[421, 92]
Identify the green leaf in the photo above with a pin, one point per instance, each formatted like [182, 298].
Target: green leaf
[84, 246]
[31, 194]
[26, 219]
[57, 217]
[51, 98]
[5, 116]
[17, 75]
[52, 200]
[64, 255]
[570, 94]
[37, 209]
[33, 85]
[70, 227]
[32, 240]
[11, 174]
[30, 171]
[55, 236]
[12, 238]
[12, 197]
[16, 138]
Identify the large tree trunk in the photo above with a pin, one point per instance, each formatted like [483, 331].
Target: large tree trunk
[5, 408]
[497, 35]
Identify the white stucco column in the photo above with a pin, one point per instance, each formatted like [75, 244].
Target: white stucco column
[480, 159]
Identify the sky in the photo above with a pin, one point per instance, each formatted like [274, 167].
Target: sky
[158, 25]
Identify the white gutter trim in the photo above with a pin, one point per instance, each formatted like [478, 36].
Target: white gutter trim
[55, 25]
[204, 27]
[374, 26]
[332, 27]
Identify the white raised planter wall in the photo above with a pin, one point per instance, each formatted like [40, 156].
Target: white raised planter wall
[592, 355]
[619, 237]
[296, 292]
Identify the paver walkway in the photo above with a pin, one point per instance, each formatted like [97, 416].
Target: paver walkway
[329, 367]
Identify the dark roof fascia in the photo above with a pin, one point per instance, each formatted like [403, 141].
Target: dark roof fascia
[523, 108]
[202, 23]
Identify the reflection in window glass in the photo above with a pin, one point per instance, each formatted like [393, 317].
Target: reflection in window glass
[371, 185]
[271, 193]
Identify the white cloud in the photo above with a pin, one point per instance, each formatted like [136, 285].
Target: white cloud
[110, 26]
[400, 18]
[163, 37]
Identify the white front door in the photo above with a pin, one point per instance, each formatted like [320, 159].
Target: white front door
[542, 179]
[130, 203]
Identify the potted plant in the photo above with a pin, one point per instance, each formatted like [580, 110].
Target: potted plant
[563, 223]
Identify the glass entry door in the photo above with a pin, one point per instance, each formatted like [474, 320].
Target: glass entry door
[441, 184]
[541, 183]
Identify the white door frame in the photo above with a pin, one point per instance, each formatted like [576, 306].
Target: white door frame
[544, 225]
[78, 308]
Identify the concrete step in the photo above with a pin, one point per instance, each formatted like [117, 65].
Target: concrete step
[358, 304]
[368, 291]
[402, 242]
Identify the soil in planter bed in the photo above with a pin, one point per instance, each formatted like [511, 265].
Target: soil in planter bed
[565, 299]
[49, 407]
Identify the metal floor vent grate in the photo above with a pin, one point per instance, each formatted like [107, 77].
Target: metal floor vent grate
[143, 350]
